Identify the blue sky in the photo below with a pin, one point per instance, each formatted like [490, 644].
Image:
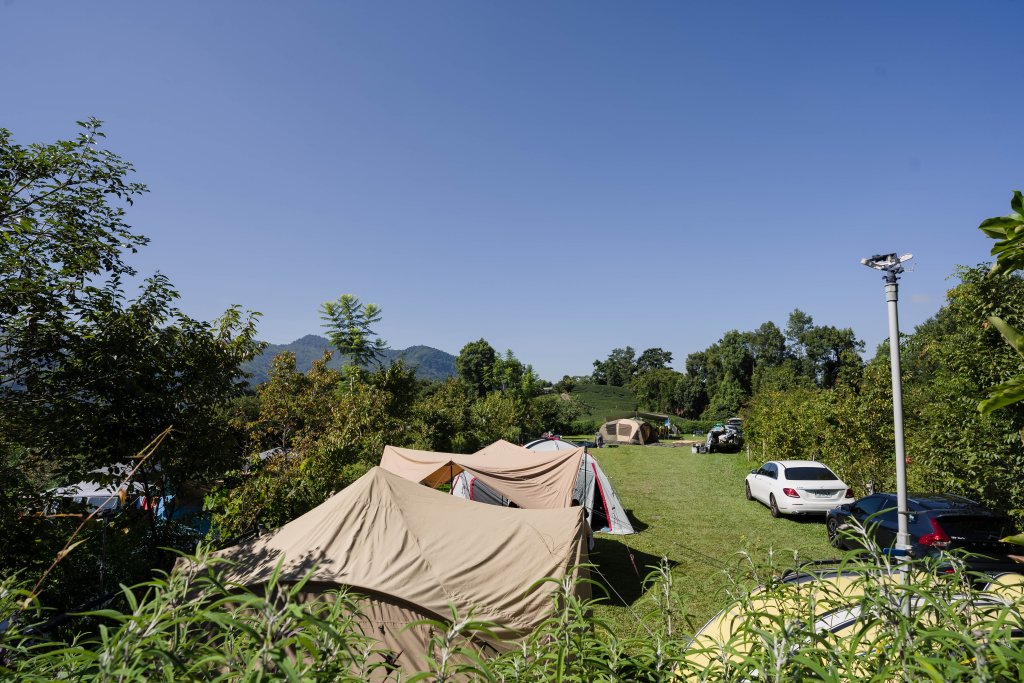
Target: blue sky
[557, 178]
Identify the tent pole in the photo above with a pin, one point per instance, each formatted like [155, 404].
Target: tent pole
[586, 487]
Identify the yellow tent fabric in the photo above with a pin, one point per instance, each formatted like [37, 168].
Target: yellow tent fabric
[544, 480]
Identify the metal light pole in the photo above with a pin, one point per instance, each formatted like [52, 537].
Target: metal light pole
[892, 266]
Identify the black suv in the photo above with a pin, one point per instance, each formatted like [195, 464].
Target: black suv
[937, 522]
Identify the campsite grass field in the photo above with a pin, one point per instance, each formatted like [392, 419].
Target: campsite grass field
[691, 510]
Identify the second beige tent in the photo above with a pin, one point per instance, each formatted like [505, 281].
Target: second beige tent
[628, 432]
[544, 480]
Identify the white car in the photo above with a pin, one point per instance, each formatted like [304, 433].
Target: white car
[797, 487]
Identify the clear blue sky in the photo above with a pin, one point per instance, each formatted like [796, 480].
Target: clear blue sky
[557, 178]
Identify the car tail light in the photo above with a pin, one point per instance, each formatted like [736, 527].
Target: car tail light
[791, 493]
[937, 539]
[849, 493]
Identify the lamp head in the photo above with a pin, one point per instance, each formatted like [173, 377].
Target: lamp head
[890, 264]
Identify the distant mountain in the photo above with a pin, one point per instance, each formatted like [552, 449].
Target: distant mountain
[429, 363]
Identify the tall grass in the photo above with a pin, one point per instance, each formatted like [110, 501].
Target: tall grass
[191, 626]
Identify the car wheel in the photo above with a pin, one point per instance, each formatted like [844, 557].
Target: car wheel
[746, 485]
[773, 506]
[832, 526]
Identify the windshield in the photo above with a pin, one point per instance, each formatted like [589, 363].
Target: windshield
[810, 474]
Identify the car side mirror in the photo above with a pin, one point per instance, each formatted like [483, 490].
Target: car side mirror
[755, 471]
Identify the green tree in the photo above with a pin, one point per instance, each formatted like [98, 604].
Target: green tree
[500, 416]
[508, 374]
[474, 364]
[618, 369]
[566, 384]
[691, 397]
[653, 359]
[821, 353]
[348, 323]
[556, 414]
[328, 432]
[951, 364]
[1008, 231]
[88, 376]
[767, 345]
[657, 389]
[729, 369]
[64, 236]
[441, 419]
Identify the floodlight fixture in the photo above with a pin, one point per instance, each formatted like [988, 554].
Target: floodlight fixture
[891, 264]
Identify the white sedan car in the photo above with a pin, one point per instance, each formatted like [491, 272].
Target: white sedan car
[797, 487]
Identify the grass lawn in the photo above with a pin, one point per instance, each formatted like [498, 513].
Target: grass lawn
[692, 510]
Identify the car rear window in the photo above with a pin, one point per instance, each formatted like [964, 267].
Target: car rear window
[971, 528]
[810, 474]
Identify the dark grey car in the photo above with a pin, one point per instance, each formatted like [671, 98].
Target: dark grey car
[937, 522]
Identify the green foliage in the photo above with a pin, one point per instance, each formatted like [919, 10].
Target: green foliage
[88, 376]
[821, 352]
[500, 416]
[658, 389]
[483, 370]
[692, 426]
[508, 374]
[653, 359]
[847, 427]
[618, 369]
[557, 414]
[603, 401]
[721, 379]
[1008, 231]
[62, 239]
[185, 627]
[1009, 253]
[190, 626]
[348, 322]
[327, 430]
[441, 419]
[566, 384]
[474, 365]
[951, 364]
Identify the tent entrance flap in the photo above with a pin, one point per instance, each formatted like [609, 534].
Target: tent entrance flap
[593, 490]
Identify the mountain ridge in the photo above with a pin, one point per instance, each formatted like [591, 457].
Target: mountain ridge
[429, 363]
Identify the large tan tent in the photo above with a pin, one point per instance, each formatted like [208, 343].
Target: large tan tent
[544, 480]
[628, 432]
[412, 552]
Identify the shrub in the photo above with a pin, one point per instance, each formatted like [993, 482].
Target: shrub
[186, 627]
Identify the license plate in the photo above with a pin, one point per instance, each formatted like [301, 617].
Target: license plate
[824, 494]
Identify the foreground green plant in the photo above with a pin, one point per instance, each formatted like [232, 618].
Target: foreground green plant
[843, 623]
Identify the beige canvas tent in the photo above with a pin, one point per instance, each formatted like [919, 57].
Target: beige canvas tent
[412, 551]
[628, 432]
[544, 480]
